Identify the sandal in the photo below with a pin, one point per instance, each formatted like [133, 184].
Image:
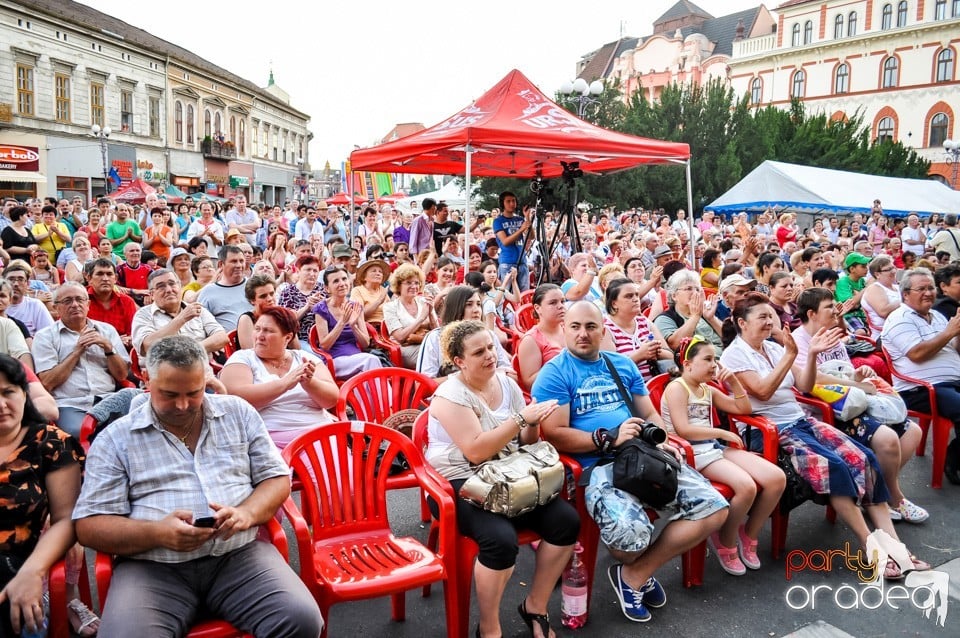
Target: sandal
[84, 622]
[919, 565]
[543, 620]
[892, 570]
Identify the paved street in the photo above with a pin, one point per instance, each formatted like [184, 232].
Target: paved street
[751, 605]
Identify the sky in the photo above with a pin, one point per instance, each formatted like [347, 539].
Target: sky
[360, 68]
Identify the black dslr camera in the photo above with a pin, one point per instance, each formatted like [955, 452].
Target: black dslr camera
[649, 432]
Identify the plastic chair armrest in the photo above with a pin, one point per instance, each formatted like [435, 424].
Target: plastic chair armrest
[277, 537]
[825, 410]
[768, 430]
[684, 446]
[304, 541]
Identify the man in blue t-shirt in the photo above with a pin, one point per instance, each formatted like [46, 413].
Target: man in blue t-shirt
[510, 230]
[590, 405]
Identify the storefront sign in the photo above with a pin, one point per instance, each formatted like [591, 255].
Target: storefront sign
[185, 181]
[239, 181]
[19, 158]
[124, 169]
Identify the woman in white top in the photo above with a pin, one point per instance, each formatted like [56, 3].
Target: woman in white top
[408, 316]
[475, 416]
[882, 296]
[291, 389]
[83, 251]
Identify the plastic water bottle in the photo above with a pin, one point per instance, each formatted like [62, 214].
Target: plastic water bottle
[573, 588]
[41, 631]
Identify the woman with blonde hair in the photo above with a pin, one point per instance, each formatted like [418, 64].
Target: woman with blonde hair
[408, 316]
[476, 415]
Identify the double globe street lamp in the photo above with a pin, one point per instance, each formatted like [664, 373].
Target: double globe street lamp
[102, 134]
[581, 94]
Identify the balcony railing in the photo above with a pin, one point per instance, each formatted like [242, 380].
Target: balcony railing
[218, 150]
[754, 46]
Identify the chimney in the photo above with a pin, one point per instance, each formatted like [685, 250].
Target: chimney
[740, 30]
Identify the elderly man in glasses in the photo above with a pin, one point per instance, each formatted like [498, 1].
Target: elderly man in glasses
[78, 359]
[923, 344]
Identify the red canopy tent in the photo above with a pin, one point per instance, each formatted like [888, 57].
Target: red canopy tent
[390, 199]
[133, 192]
[514, 130]
[342, 199]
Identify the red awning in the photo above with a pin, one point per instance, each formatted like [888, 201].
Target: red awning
[133, 192]
[514, 130]
[342, 199]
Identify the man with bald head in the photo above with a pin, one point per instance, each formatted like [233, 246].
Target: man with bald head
[591, 405]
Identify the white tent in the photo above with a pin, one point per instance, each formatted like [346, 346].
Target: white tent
[451, 193]
[806, 189]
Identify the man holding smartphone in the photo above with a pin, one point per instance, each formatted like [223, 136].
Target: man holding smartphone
[176, 489]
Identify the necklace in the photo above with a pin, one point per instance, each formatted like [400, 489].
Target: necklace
[486, 394]
[275, 366]
[183, 439]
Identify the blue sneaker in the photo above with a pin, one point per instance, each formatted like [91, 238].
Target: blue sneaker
[631, 600]
[653, 594]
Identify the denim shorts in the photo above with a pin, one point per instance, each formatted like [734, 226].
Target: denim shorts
[623, 523]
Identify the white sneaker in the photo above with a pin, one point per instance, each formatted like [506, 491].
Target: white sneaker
[910, 512]
[895, 514]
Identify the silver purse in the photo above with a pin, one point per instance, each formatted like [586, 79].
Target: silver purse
[518, 482]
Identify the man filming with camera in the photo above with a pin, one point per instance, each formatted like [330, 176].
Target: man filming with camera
[511, 232]
[592, 420]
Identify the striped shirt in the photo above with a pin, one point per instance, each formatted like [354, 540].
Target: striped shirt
[625, 343]
[137, 469]
[904, 329]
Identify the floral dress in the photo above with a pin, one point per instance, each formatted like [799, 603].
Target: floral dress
[23, 499]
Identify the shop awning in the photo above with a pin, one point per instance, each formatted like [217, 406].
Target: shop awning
[21, 176]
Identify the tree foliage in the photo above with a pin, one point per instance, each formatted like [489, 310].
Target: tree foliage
[727, 138]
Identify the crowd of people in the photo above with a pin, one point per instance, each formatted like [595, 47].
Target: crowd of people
[229, 316]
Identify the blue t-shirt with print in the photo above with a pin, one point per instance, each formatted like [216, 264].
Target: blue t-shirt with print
[590, 390]
[509, 253]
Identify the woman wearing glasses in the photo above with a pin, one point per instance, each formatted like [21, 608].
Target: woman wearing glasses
[882, 296]
[688, 313]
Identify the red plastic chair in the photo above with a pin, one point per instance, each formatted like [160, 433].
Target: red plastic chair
[466, 550]
[527, 296]
[525, 318]
[347, 549]
[771, 445]
[207, 628]
[314, 339]
[514, 344]
[58, 623]
[941, 426]
[232, 345]
[375, 395]
[383, 340]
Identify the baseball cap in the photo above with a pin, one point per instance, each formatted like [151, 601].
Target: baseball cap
[855, 258]
[342, 250]
[735, 280]
[178, 252]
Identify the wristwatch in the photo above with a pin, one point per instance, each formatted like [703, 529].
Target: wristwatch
[109, 354]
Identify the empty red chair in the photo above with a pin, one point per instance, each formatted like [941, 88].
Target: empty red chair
[347, 549]
[525, 318]
[375, 395]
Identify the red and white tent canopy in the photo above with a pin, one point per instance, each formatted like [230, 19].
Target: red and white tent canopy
[514, 130]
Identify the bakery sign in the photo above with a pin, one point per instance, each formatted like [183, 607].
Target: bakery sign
[19, 158]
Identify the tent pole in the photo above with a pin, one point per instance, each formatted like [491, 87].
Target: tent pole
[466, 213]
[693, 242]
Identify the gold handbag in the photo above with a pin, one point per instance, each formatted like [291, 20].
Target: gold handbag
[516, 483]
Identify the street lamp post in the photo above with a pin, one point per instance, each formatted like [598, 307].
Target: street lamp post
[102, 134]
[581, 94]
[952, 149]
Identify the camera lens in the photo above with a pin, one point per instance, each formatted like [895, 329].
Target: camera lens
[653, 434]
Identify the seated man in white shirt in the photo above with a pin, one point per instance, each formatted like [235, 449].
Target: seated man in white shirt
[923, 344]
[78, 359]
[168, 316]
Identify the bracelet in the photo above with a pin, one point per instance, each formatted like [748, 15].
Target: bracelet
[740, 396]
[109, 354]
[521, 422]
